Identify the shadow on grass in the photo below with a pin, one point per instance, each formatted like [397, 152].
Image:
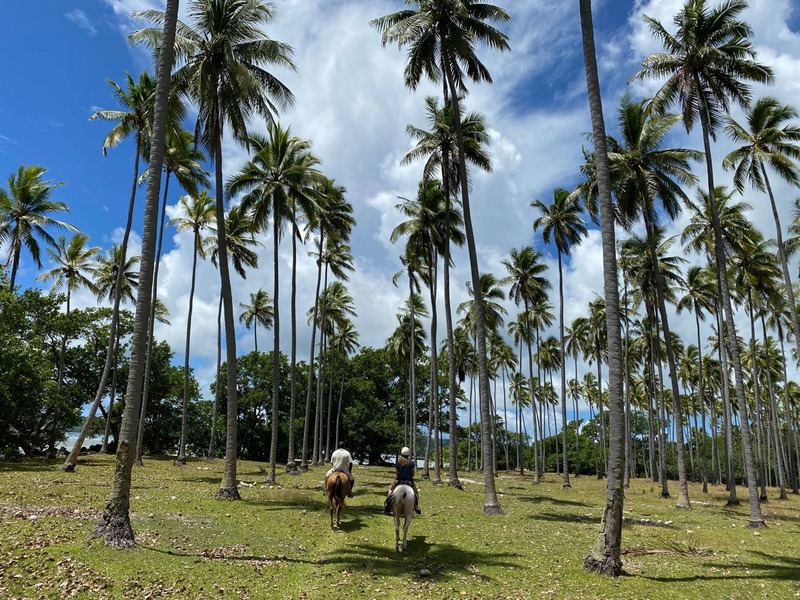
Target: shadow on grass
[225, 557]
[40, 465]
[444, 560]
[565, 518]
[785, 568]
[556, 501]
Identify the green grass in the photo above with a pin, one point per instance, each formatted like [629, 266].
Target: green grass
[277, 542]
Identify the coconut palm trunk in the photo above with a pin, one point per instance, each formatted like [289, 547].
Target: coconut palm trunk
[115, 526]
[605, 557]
[276, 348]
[756, 517]
[309, 387]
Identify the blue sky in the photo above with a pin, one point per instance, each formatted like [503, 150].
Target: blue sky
[56, 55]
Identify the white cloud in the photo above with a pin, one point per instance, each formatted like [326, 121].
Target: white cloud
[80, 19]
[352, 104]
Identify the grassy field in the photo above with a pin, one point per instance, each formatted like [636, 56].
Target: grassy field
[277, 542]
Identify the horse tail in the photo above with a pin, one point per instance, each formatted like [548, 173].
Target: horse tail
[337, 487]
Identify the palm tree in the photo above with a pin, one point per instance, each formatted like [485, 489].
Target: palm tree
[280, 176]
[115, 525]
[197, 214]
[706, 62]
[605, 554]
[25, 210]
[441, 36]
[115, 280]
[528, 285]
[240, 240]
[258, 311]
[561, 221]
[334, 219]
[345, 341]
[647, 172]
[182, 158]
[73, 264]
[223, 48]
[135, 119]
[768, 140]
[439, 145]
[699, 299]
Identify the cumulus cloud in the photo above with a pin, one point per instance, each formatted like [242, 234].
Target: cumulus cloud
[353, 106]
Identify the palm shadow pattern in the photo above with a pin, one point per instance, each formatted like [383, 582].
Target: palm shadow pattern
[445, 561]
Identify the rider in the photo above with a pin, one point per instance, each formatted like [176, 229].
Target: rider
[341, 460]
[405, 469]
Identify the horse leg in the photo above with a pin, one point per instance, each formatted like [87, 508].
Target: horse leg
[396, 532]
[405, 531]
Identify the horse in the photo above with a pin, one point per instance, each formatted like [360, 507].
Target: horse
[402, 503]
[337, 487]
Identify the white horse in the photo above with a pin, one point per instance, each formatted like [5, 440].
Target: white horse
[402, 503]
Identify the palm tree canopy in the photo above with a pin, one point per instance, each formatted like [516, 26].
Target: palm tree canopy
[221, 50]
[445, 29]
[105, 275]
[560, 221]
[240, 240]
[705, 61]
[26, 210]
[259, 310]
[767, 140]
[441, 142]
[73, 264]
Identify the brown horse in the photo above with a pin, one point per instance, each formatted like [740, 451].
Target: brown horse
[337, 487]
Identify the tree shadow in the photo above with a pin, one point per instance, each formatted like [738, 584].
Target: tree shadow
[556, 501]
[445, 561]
[212, 555]
[786, 568]
[566, 518]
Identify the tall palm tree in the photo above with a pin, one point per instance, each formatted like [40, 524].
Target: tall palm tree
[345, 341]
[25, 214]
[334, 220]
[115, 525]
[134, 119]
[281, 175]
[699, 299]
[184, 159]
[605, 554]
[706, 62]
[258, 311]
[439, 145]
[240, 241]
[768, 139]
[222, 50]
[528, 285]
[197, 213]
[650, 172]
[562, 222]
[441, 35]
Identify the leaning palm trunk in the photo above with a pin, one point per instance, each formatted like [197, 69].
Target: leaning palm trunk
[150, 326]
[115, 526]
[730, 473]
[605, 555]
[72, 459]
[107, 432]
[774, 425]
[491, 503]
[756, 517]
[758, 421]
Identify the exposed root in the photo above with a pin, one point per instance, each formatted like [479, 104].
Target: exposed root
[227, 494]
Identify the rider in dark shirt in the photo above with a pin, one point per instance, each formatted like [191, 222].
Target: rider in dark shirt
[405, 469]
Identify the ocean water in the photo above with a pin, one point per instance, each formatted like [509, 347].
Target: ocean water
[72, 437]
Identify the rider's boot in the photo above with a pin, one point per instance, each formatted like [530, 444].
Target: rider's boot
[350, 493]
[387, 508]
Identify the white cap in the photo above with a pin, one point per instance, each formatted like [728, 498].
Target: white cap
[405, 451]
